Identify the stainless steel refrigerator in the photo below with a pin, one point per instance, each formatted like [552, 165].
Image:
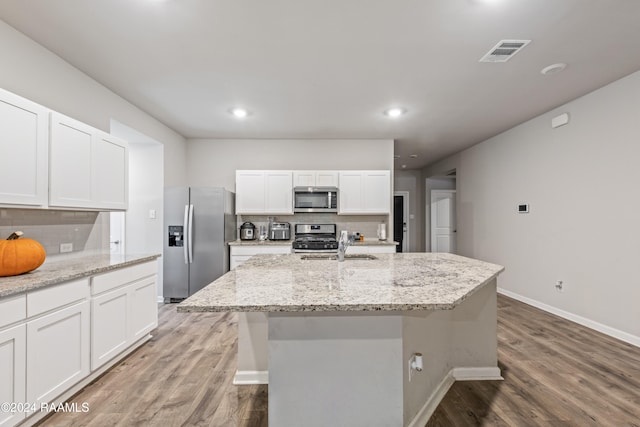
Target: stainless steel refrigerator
[198, 224]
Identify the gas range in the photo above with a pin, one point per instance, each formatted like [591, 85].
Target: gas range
[315, 238]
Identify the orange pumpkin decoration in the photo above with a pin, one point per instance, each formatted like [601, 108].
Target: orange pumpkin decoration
[18, 256]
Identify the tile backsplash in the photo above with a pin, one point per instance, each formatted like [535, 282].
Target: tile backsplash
[366, 225]
[87, 231]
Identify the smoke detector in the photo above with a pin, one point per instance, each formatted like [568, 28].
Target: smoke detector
[504, 50]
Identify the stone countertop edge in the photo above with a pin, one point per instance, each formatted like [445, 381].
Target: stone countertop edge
[60, 269]
[332, 307]
[447, 287]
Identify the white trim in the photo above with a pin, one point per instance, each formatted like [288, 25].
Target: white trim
[433, 401]
[456, 374]
[160, 299]
[477, 373]
[607, 330]
[251, 377]
[405, 218]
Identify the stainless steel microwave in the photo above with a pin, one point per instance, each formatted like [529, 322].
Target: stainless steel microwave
[315, 199]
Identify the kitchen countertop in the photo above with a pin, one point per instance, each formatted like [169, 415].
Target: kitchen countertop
[287, 283]
[62, 268]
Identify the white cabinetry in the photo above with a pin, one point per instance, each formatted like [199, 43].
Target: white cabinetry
[313, 178]
[365, 192]
[264, 192]
[88, 167]
[13, 355]
[57, 340]
[371, 249]
[24, 139]
[123, 310]
[240, 254]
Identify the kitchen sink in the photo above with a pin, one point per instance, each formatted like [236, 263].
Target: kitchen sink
[335, 257]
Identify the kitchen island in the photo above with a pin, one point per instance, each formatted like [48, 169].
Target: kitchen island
[342, 336]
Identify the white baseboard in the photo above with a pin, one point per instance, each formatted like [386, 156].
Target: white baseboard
[433, 401]
[455, 374]
[607, 330]
[251, 377]
[477, 373]
[160, 299]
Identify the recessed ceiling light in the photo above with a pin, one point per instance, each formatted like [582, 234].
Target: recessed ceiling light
[239, 113]
[553, 69]
[404, 166]
[413, 156]
[396, 156]
[395, 112]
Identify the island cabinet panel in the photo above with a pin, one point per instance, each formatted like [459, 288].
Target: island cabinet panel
[58, 352]
[88, 167]
[13, 355]
[365, 192]
[24, 139]
[264, 192]
[124, 310]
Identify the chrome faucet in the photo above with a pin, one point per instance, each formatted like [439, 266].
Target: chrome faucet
[344, 242]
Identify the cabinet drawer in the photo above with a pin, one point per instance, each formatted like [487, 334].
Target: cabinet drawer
[53, 297]
[12, 310]
[256, 250]
[113, 279]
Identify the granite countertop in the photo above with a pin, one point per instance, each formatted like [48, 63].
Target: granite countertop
[375, 242]
[62, 268]
[398, 282]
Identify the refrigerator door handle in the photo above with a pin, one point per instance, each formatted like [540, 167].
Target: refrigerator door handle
[186, 236]
[190, 233]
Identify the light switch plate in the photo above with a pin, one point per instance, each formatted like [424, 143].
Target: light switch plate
[66, 247]
[152, 214]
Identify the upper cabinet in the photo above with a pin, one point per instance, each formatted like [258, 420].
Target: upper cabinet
[365, 192]
[88, 167]
[325, 178]
[264, 192]
[24, 138]
[51, 160]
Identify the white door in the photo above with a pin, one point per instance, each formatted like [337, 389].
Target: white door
[443, 221]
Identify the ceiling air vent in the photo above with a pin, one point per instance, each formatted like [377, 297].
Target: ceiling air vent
[504, 50]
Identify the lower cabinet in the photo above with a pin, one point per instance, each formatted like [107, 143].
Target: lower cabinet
[13, 356]
[240, 254]
[58, 352]
[371, 249]
[53, 338]
[124, 309]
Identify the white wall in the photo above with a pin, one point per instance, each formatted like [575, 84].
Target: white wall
[31, 71]
[213, 162]
[581, 181]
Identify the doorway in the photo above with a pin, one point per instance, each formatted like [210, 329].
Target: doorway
[401, 220]
[443, 221]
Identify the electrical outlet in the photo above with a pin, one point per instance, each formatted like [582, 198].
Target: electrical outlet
[559, 286]
[66, 247]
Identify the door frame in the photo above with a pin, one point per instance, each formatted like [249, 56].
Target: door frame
[405, 218]
[432, 217]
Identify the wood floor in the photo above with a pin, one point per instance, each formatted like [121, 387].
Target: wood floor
[556, 373]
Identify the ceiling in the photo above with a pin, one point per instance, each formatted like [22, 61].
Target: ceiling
[328, 69]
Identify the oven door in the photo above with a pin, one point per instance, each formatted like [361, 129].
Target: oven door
[315, 199]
